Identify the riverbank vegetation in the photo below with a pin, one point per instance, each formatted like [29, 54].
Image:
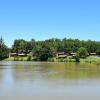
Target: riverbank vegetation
[4, 51]
[62, 50]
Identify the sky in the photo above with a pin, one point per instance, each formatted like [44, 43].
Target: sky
[44, 19]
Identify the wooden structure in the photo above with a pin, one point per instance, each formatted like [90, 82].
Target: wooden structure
[22, 54]
[92, 53]
[17, 54]
[13, 54]
[61, 55]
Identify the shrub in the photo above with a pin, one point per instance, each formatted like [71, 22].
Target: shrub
[82, 52]
[77, 59]
[29, 58]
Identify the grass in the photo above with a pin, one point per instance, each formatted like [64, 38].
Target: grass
[91, 59]
[16, 59]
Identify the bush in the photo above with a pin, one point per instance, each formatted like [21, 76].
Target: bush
[21, 59]
[51, 59]
[16, 58]
[70, 59]
[29, 58]
[77, 59]
[82, 52]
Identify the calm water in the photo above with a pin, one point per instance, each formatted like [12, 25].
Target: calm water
[49, 81]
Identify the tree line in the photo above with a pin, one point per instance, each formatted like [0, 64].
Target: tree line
[43, 50]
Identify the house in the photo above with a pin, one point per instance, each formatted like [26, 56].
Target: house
[21, 54]
[73, 54]
[92, 53]
[13, 54]
[17, 54]
[61, 55]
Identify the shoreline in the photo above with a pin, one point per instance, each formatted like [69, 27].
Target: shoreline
[89, 59]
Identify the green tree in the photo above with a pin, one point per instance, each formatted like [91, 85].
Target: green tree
[4, 51]
[43, 50]
[19, 45]
[82, 52]
[98, 51]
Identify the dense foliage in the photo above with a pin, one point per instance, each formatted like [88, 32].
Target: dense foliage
[43, 50]
[4, 51]
[23, 46]
[82, 52]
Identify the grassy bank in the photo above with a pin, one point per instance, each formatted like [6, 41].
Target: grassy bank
[89, 59]
[16, 59]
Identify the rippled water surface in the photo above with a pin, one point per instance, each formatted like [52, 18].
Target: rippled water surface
[49, 81]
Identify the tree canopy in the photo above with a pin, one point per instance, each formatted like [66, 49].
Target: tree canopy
[82, 52]
[43, 50]
[4, 51]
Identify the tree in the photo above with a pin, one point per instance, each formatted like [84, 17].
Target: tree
[19, 45]
[77, 59]
[4, 51]
[98, 51]
[82, 52]
[43, 50]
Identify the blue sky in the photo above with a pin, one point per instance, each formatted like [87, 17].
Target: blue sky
[43, 19]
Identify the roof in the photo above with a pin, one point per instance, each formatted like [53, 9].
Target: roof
[92, 53]
[60, 53]
[73, 53]
[22, 54]
[62, 56]
[13, 53]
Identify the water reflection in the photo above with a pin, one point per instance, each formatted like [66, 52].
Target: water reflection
[14, 71]
[49, 78]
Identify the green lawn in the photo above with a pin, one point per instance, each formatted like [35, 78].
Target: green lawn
[91, 59]
[16, 59]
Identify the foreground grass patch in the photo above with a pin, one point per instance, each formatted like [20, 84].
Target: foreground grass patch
[91, 59]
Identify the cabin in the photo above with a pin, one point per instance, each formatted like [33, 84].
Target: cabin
[61, 55]
[22, 54]
[17, 54]
[13, 54]
[93, 54]
[73, 54]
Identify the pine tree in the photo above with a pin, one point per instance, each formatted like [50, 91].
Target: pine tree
[4, 52]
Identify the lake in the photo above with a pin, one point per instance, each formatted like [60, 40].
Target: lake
[49, 81]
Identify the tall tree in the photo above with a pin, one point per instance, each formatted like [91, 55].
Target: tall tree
[19, 45]
[4, 51]
[82, 52]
